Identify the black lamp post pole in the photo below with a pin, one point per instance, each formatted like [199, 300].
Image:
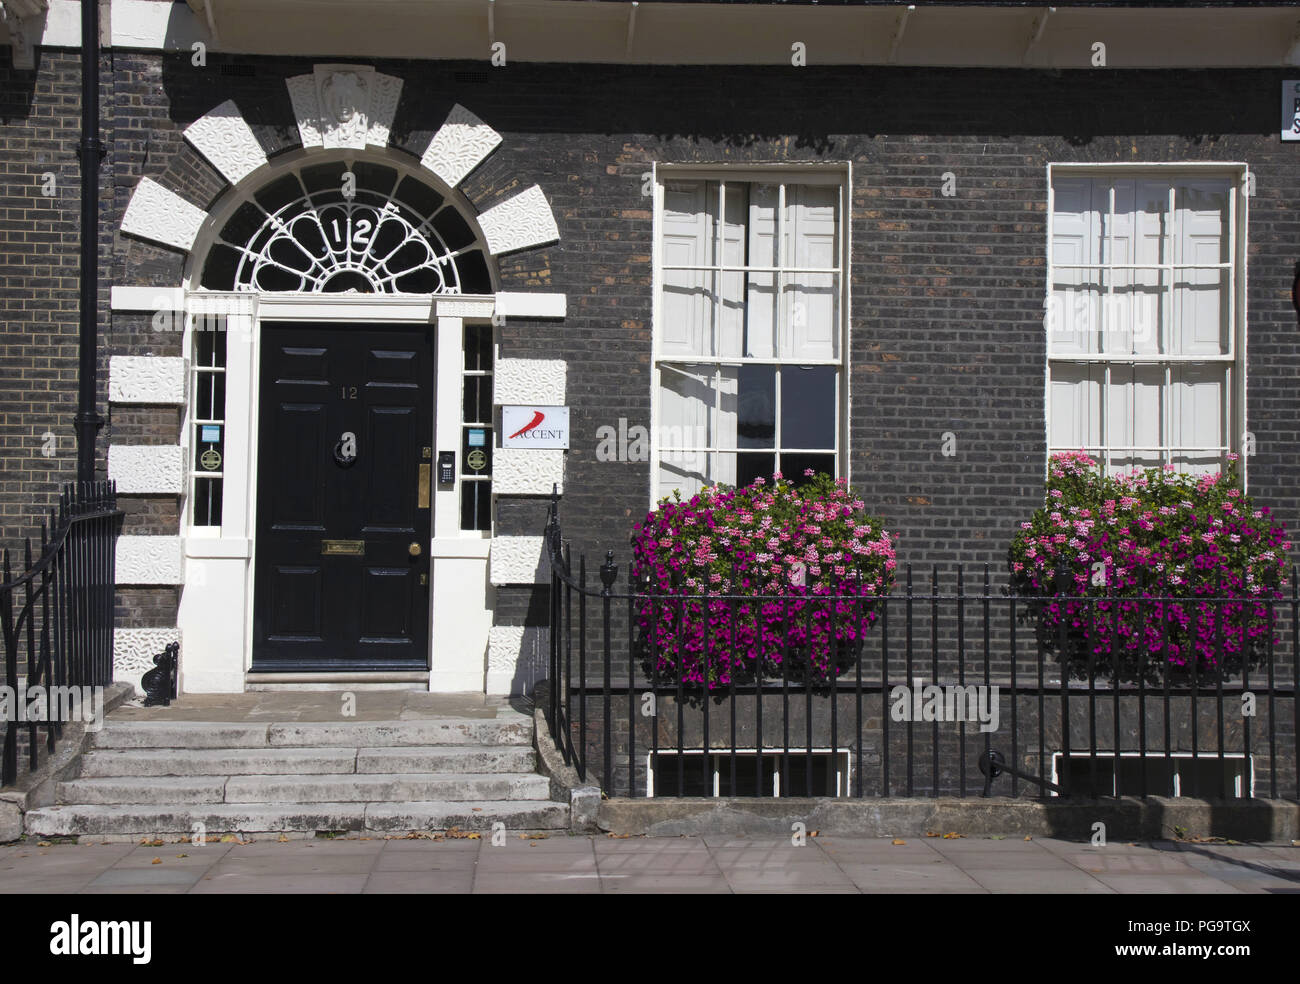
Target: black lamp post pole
[88, 419]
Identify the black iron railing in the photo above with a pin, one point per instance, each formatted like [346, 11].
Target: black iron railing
[56, 617]
[957, 692]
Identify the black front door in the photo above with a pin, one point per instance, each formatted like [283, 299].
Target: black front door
[343, 492]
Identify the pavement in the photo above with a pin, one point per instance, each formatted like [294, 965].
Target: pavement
[679, 865]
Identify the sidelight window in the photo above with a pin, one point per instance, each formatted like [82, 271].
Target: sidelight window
[476, 430]
[208, 423]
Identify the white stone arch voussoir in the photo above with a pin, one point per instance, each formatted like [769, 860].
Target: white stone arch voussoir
[340, 107]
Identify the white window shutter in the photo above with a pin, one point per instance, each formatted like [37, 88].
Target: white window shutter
[685, 409]
[687, 300]
[1201, 298]
[1074, 302]
[811, 239]
[1198, 416]
[761, 291]
[730, 319]
[1075, 412]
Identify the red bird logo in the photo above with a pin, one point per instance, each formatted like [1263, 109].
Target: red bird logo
[538, 417]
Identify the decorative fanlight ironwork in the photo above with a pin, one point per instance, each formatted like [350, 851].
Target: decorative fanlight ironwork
[344, 227]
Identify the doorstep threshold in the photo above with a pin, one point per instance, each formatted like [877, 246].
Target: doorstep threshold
[393, 679]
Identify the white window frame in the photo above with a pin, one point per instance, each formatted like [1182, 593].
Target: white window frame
[720, 764]
[839, 174]
[1243, 778]
[485, 425]
[1235, 360]
[194, 421]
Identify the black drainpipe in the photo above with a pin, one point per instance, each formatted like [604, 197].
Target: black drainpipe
[91, 149]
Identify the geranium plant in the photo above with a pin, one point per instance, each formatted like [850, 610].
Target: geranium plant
[1148, 568]
[768, 579]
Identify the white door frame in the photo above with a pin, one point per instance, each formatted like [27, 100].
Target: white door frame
[460, 557]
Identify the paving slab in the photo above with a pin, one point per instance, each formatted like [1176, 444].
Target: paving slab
[536, 883]
[436, 881]
[292, 884]
[157, 875]
[587, 864]
[1036, 880]
[910, 878]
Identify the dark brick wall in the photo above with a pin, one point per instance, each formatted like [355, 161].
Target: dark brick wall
[946, 320]
[39, 268]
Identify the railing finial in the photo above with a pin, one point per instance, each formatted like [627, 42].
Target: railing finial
[608, 571]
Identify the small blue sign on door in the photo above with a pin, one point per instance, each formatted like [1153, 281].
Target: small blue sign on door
[210, 434]
[477, 437]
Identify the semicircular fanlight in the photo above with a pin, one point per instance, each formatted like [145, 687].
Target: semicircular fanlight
[339, 228]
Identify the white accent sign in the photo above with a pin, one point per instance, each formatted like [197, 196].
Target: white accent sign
[1291, 109]
[531, 426]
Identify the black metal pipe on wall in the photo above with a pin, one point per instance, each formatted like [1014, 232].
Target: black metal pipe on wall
[88, 420]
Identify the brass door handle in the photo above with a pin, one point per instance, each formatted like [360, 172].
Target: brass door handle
[413, 549]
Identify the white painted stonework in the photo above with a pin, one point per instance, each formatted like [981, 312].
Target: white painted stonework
[134, 650]
[147, 298]
[464, 307]
[517, 658]
[540, 381]
[222, 136]
[527, 471]
[149, 560]
[160, 215]
[460, 145]
[344, 106]
[517, 304]
[519, 223]
[147, 379]
[518, 560]
[147, 469]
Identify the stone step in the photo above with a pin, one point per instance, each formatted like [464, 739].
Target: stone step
[346, 788]
[513, 729]
[179, 734]
[463, 758]
[380, 788]
[170, 790]
[396, 818]
[510, 728]
[218, 762]
[217, 819]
